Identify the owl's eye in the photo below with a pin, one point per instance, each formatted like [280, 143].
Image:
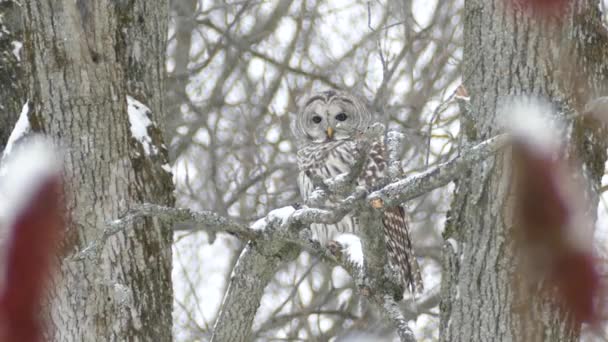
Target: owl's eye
[341, 117]
[316, 119]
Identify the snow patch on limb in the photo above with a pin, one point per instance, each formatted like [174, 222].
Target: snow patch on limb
[23, 173]
[280, 214]
[140, 120]
[22, 128]
[351, 247]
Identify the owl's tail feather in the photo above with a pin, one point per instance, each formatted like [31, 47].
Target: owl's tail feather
[400, 251]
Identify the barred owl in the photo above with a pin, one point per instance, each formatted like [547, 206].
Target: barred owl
[327, 127]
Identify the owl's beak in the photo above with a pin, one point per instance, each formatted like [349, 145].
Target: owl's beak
[330, 132]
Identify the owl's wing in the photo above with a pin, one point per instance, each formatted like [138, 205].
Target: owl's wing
[399, 247]
[396, 232]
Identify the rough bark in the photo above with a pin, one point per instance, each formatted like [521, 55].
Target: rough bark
[82, 64]
[509, 53]
[12, 92]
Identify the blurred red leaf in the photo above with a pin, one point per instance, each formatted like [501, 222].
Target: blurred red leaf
[35, 233]
[578, 282]
[548, 225]
[541, 8]
[543, 208]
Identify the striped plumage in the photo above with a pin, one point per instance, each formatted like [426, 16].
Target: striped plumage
[329, 149]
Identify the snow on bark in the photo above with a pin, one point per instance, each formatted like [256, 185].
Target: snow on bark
[17, 46]
[140, 120]
[21, 129]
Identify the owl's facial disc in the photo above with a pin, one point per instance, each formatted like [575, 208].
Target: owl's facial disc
[330, 116]
[329, 122]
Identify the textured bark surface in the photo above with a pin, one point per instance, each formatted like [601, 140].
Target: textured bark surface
[12, 92]
[83, 58]
[509, 53]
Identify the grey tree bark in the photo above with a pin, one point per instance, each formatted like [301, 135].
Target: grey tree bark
[506, 53]
[12, 92]
[83, 58]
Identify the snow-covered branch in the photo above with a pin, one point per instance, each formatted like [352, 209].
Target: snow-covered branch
[411, 187]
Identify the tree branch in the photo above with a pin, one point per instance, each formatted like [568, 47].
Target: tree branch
[252, 272]
[209, 221]
[391, 309]
[280, 235]
[411, 187]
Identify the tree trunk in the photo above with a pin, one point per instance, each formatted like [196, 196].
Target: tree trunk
[12, 92]
[83, 58]
[183, 12]
[507, 53]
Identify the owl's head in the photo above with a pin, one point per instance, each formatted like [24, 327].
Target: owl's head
[331, 115]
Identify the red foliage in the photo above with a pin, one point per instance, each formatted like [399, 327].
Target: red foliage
[541, 8]
[578, 282]
[548, 222]
[542, 204]
[35, 233]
